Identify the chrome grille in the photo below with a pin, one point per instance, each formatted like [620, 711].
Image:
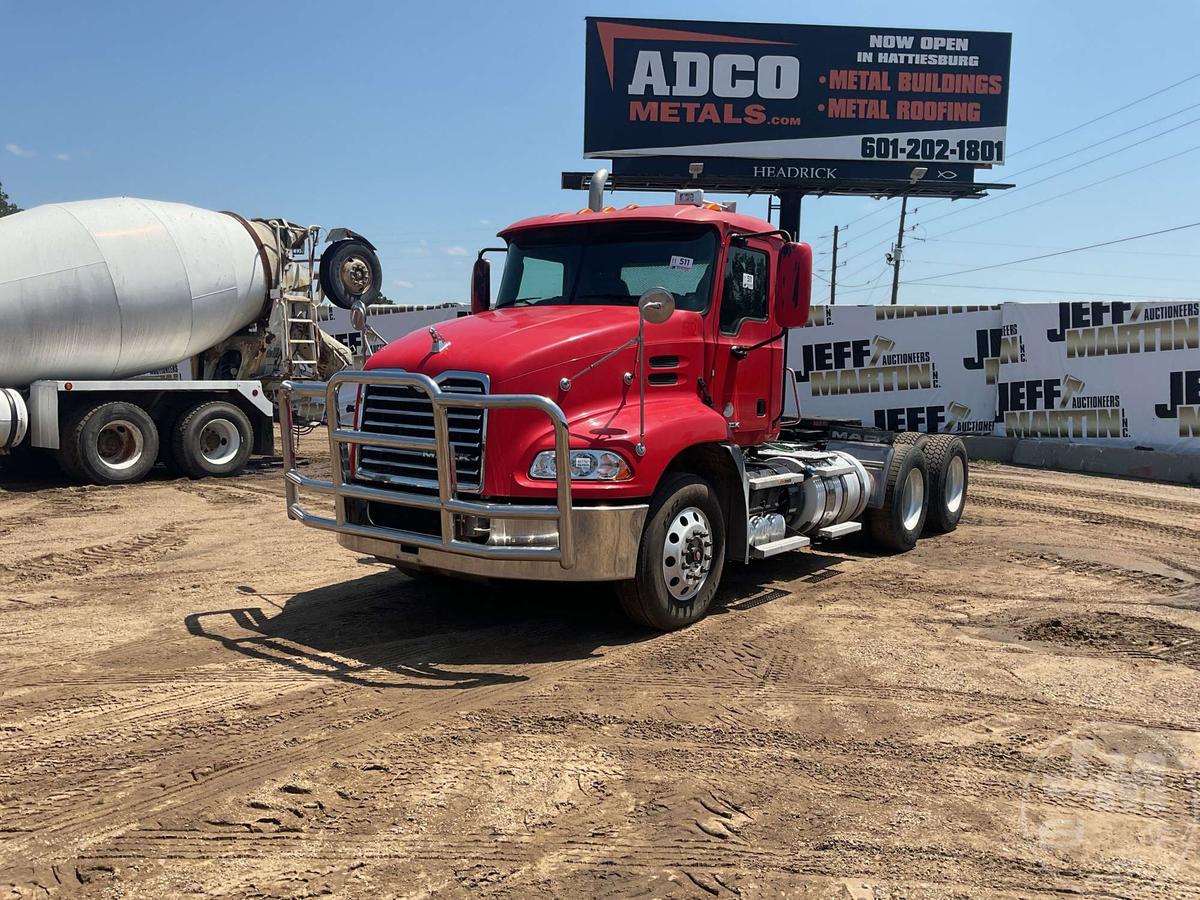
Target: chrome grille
[407, 412]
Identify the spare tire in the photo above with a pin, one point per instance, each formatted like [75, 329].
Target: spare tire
[350, 270]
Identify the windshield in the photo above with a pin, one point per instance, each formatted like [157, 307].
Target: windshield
[609, 263]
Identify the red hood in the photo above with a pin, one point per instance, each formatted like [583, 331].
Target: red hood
[508, 343]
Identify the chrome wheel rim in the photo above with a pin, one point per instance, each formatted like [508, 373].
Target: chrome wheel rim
[912, 500]
[687, 553]
[220, 441]
[120, 444]
[955, 487]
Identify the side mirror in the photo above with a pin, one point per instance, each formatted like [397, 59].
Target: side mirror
[793, 285]
[481, 286]
[358, 315]
[656, 305]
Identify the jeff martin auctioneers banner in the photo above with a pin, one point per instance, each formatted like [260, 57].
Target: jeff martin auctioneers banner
[1109, 373]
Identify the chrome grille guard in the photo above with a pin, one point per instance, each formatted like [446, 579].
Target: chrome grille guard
[447, 501]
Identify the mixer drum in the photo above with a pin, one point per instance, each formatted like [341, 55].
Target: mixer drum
[114, 288]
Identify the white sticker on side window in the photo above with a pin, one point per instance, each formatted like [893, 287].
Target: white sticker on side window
[681, 262]
[748, 281]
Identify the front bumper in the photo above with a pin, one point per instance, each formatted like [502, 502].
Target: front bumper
[588, 543]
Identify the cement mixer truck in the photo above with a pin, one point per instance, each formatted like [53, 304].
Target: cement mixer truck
[98, 297]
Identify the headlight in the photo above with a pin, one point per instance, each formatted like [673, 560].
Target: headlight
[586, 465]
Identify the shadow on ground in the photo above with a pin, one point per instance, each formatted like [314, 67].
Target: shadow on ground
[386, 629]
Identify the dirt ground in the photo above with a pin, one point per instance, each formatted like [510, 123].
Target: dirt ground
[198, 697]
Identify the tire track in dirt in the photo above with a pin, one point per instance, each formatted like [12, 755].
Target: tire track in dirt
[125, 554]
[1163, 585]
[1036, 484]
[683, 688]
[276, 753]
[1008, 501]
[833, 857]
[56, 505]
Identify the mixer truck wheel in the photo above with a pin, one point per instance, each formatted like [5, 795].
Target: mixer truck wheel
[350, 271]
[109, 443]
[898, 524]
[681, 556]
[948, 471]
[212, 438]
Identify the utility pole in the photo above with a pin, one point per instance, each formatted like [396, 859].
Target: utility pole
[833, 271]
[898, 249]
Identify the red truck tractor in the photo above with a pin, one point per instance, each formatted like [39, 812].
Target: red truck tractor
[618, 414]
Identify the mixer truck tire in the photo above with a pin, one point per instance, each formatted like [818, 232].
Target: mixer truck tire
[948, 474]
[213, 438]
[109, 443]
[350, 270]
[681, 556]
[896, 526]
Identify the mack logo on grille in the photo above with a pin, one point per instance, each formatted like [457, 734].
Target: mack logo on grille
[407, 412]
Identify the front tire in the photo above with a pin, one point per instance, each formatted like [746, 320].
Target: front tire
[681, 556]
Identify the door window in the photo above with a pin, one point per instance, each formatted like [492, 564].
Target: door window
[745, 294]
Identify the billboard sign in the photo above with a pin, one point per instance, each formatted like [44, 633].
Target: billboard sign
[769, 172]
[813, 92]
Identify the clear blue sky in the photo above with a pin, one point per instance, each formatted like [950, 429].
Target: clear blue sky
[428, 126]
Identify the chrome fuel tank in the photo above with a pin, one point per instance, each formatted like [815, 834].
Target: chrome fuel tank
[114, 288]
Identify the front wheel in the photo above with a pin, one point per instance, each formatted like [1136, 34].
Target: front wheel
[681, 556]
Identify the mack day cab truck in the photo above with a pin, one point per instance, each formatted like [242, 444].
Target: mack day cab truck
[617, 415]
[95, 295]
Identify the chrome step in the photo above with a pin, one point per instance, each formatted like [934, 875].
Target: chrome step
[783, 545]
[763, 482]
[836, 531]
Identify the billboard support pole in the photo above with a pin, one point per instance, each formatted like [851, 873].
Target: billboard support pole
[789, 212]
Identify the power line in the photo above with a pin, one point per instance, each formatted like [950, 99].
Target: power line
[1084, 187]
[1013, 262]
[1081, 165]
[1112, 112]
[1075, 152]
[939, 262]
[946, 240]
[1017, 290]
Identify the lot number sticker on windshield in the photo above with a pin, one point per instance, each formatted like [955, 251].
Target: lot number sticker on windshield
[681, 262]
[747, 281]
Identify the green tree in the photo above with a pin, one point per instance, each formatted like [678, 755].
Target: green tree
[7, 208]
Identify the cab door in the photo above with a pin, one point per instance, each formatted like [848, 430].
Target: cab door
[749, 347]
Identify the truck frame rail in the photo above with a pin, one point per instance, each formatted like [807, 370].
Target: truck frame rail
[447, 502]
